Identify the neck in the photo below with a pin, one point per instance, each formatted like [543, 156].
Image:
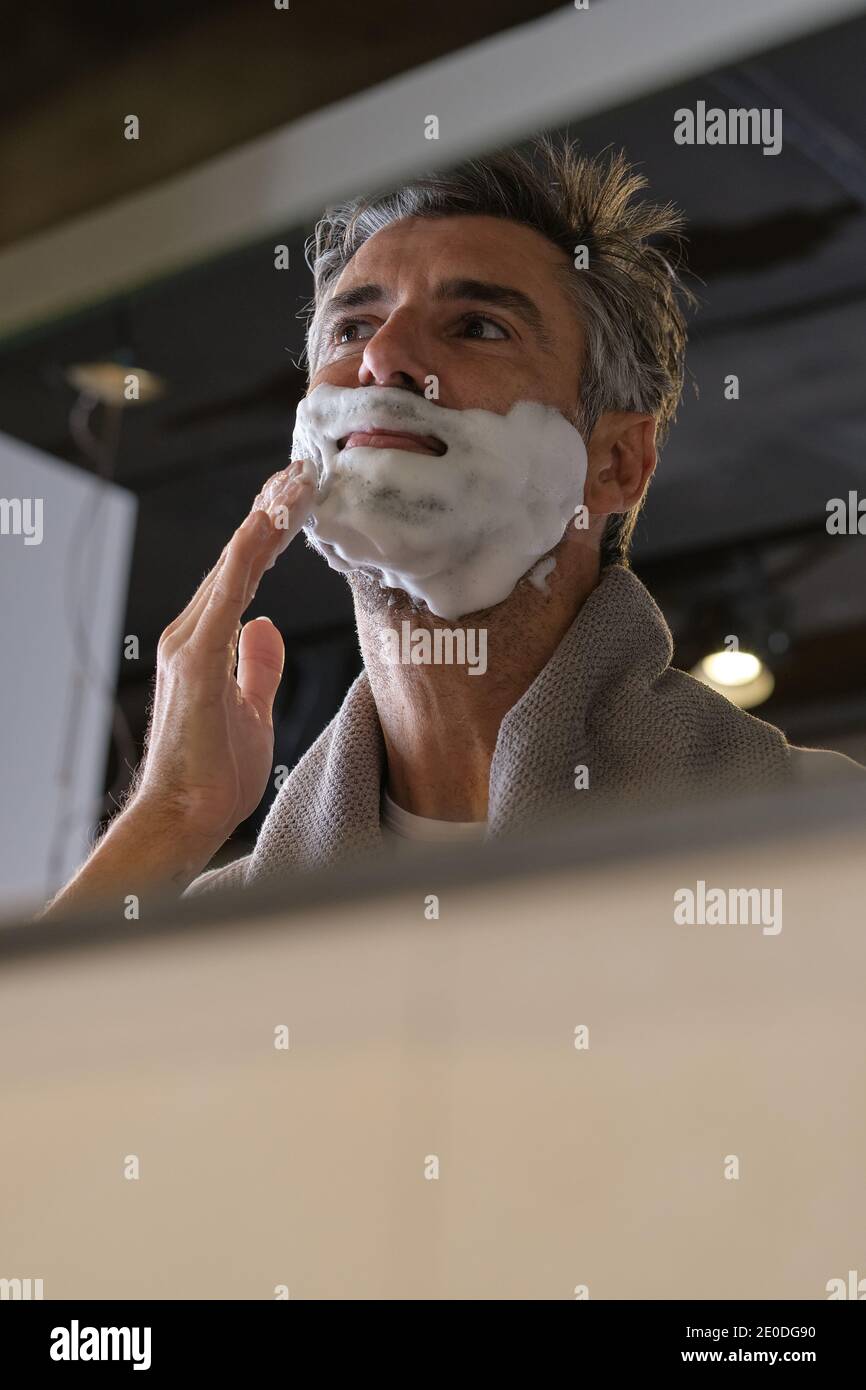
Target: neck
[441, 720]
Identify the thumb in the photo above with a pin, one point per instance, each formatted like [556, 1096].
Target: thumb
[261, 654]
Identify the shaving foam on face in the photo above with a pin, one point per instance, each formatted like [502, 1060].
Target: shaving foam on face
[455, 531]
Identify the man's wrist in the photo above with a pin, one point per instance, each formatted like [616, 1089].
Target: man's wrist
[160, 842]
[147, 849]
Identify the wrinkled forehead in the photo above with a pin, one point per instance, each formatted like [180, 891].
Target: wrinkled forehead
[423, 249]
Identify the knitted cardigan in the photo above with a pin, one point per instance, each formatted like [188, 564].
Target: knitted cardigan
[608, 699]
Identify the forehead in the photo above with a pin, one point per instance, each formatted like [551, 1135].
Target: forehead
[423, 250]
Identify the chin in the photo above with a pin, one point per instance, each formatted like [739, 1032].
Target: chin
[396, 605]
[390, 604]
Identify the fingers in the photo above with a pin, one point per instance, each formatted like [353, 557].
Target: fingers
[183, 627]
[253, 549]
[289, 497]
[196, 603]
[261, 654]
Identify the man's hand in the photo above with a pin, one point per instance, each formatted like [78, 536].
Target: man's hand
[211, 739]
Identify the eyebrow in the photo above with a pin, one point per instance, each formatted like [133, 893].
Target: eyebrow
[478, 291]
[503, 296]
[357, 298]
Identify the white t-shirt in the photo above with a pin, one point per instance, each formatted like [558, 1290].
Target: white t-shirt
[404, 831]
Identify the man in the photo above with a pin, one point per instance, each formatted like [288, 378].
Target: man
[510, 280]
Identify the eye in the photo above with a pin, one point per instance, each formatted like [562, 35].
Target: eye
[482, 319]
[344, 325]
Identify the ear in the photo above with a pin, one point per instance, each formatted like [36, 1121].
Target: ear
[621, 459]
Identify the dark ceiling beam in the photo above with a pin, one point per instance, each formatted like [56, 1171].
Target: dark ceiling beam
[201, 81]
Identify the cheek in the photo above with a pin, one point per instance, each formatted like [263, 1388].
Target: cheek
[339, 373]
[498, 385]
[493, 386]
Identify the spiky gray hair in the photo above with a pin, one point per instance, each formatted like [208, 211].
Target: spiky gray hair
[630, 300]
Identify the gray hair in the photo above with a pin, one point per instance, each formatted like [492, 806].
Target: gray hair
[630, 299]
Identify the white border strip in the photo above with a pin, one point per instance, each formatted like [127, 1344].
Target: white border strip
[554, 70]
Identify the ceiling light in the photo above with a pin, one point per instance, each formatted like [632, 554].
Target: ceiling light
[109, 382]
[741, 676]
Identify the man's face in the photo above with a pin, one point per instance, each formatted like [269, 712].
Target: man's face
[472, 301]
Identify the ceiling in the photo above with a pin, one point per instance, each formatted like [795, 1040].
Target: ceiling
[202, 79]
[733, 530]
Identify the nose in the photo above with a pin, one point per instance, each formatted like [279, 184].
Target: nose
[395, 355]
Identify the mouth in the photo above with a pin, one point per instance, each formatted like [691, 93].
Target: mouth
[393, 439]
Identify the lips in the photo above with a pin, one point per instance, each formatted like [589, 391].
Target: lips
[392, 439]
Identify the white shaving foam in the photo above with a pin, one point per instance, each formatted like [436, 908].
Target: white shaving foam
[538, 576]
[456, 531]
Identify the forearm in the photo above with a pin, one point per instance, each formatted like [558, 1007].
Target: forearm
[144, 850]
[211, 740]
